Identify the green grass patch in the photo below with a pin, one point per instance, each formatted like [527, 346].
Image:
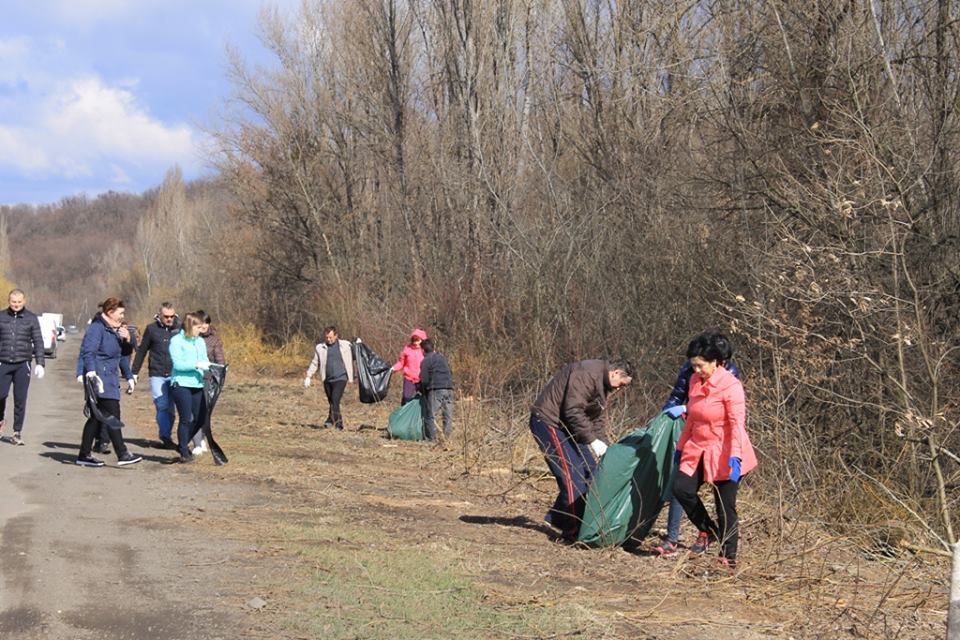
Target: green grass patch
[360, 587]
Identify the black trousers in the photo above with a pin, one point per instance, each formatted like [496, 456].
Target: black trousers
[92, 429]
[726, 527]
[334, 390]
[18, 374]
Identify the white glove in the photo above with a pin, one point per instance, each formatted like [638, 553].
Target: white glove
[38, 371]
[131, 385]
[598, 447]
[203, 365]
[306, 382]
[80, 379]
[93, 374]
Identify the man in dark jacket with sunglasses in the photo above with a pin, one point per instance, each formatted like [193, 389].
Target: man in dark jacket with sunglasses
[156, 342]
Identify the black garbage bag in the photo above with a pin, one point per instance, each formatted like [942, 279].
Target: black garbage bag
[213, 382]
[373, 374]
[90, 408]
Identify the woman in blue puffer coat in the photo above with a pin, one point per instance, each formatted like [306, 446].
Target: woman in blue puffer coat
[106, 347]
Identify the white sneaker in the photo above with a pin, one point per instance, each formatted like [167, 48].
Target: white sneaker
[197, 451]
[203, 445]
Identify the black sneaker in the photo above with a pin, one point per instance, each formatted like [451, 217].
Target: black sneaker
[704, 540]
[101, 447]
[167, 443]
[188, 459]
[89, 461]
[128, 458]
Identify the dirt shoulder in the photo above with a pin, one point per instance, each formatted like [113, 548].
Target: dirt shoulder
[350, 535]
[386, 539]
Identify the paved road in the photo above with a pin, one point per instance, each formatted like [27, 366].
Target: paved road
[105, 552]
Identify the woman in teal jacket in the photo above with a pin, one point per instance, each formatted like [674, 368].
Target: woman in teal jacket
[188, 355]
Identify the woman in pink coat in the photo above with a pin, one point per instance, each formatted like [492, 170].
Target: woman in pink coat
[714, 446]
[409, 363]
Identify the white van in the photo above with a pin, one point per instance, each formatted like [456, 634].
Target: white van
[48, 328]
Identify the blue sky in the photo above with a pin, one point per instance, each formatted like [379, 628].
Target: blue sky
[99, 95]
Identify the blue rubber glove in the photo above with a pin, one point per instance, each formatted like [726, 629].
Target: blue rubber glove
[676, 456]
[735, 469]
[676, 411]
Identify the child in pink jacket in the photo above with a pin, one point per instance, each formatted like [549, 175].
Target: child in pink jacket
[409, 363]
[714, 446]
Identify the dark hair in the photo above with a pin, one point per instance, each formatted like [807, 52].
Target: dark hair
[622, 364]
[330, 327]
[203, 316]
[111, 304]
[712, 346]
[166, 305]
[427, 345]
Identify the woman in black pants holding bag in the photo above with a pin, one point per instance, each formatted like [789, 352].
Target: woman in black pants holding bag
[106, 347]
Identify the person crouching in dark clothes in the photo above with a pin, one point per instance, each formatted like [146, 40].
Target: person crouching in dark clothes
[569, 425]
[436, 383]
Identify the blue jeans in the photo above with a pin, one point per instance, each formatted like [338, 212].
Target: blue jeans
[674, 517]
[572, 464]
[188, 401]
[160, 392]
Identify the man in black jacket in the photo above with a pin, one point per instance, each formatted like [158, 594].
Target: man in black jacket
[436, 383]
[156, 342]
[20, 341]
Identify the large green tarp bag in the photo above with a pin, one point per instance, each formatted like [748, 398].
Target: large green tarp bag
[631, 483]
[406, 423]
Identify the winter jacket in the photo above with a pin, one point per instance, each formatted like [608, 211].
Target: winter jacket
[20, 337]
[575, 398]
[214, 346]
[716, 428]
[185, 353]
[319, 362]
[678, 395]
[103, 351]
[409, 362]
[156, 342]
[435, 373]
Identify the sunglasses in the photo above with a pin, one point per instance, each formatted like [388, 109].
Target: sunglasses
[166, 317]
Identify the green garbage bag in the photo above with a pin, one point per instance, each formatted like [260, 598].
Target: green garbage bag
[406, 423]
[631, 483]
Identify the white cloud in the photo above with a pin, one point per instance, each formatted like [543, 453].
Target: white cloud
[86, 128]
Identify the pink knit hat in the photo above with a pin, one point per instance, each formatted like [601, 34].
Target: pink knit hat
[419, 333]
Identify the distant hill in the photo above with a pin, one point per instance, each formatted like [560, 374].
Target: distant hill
[65, 255]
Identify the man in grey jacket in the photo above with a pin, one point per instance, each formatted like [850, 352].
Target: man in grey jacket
[20, 341]
[333, 358]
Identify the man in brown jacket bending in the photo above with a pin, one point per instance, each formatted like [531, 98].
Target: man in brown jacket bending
[568, 423]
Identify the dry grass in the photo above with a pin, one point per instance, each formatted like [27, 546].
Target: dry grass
[250, 352]
[395, 539]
